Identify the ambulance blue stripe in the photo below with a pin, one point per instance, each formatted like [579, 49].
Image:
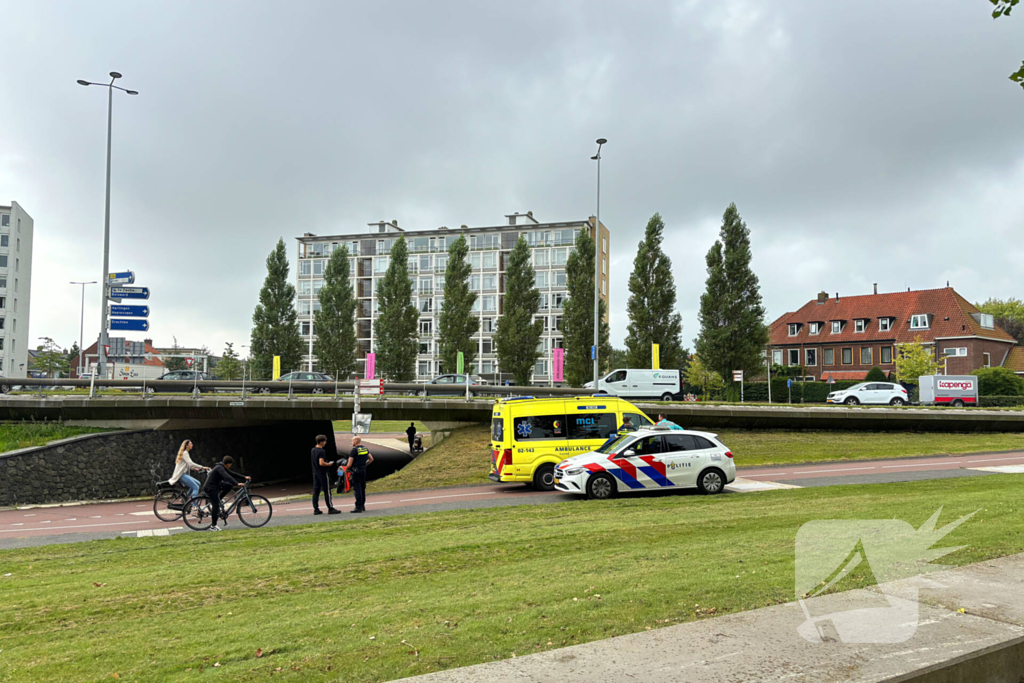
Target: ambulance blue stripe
[626, 479]
[656, 476]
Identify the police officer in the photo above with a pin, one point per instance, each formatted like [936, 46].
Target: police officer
[358, 458]
[321, 480]
[626, 428]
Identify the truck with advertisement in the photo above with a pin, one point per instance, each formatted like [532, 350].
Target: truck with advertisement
[137, 371]
[948, 390]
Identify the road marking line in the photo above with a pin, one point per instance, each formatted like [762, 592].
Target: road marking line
[74, 526]
[45, 521]
[842, 469]
[70, 519]
[454, 495]
[18, 524]
[971, 462]
[378, 502]
[924, 464]
[139, 514]
[32, 515]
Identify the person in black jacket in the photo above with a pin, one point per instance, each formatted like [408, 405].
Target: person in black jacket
[411, 433]
[321, 478]
[219, 482]
[358, 458]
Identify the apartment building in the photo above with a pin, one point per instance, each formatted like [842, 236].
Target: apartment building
[16, 228]
[843, 338]
[489, 248]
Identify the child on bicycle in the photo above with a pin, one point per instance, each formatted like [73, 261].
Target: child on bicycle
[218, 483]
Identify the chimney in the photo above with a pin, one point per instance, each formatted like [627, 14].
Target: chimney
[837, 296]
[822, 297]
[530, 214]
[394, 222]
[464, 226]
[876, 288]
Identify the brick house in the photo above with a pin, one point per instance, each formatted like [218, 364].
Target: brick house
[845, 337]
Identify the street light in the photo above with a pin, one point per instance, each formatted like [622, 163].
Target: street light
[81, 328]
[597, 261]
[101, 350]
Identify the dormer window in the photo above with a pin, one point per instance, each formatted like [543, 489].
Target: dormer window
[815, 328]
[794, 329]
[860, 325]
[884, 324]
[837, 326]
[986, 320]
[919, 321]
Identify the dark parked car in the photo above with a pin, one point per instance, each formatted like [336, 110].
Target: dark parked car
[450, 385]
[183, 375]
[301, 377]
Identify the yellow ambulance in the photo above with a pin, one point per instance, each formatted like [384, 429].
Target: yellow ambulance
[529, 436]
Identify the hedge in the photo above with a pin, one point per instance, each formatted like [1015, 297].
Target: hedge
[1001, 401]
[810, 392]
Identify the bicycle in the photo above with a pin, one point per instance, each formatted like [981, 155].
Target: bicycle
[253, 510]
[170, 500]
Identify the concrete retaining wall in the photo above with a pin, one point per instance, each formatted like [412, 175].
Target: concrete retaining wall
[120, 464]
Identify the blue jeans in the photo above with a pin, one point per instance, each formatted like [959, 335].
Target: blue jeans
[191, 483]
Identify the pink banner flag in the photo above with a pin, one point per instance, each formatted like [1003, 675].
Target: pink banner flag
[557, 364]
[371, 365]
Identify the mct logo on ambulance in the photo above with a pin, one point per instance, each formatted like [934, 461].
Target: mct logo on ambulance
[529, 436]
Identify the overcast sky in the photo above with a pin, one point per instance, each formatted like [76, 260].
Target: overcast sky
[862, 141]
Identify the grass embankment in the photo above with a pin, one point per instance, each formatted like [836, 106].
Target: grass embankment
[382, 426]
[15, 435]
[463, 458]
[378, 599]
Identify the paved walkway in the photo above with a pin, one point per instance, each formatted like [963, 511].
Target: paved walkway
[960, 617]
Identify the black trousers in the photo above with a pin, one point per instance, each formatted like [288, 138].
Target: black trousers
[411, 440]
[215, 504]
[322, 483]
[359, 487]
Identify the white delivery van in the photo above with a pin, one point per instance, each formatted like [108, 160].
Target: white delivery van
[949, 390]
[631, 383]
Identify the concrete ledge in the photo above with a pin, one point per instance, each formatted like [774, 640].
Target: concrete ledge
[983, 642]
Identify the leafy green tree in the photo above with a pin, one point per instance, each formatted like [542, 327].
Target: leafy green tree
[876, 374]
[457, 324]
[914, 360]
[733, 333]
[1008, 315]
[275, 331]
[999, 382]
[578, 315]
[174, 363]
[652, 304]
[618, 358]
[51, 360]
[518, 334]
[229, 367]
[1002, 8]
[335, 322]
[73, 352]
[397, 344]
[703, 377]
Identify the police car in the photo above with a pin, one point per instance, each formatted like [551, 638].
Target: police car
[649, 459]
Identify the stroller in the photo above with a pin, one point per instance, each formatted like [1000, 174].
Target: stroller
[417, 445]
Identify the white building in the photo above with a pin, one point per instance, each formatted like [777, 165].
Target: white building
[489, 249]
[15, 289]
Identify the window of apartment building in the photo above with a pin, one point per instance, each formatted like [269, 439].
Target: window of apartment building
[986, 359]
[541, 258]
[423, 368]
[316, 305]
[957, 351]
[604, 285]
[886, 355]
[541, 368]
[604, 245]
[558, 323]
[425, 347]
[317, 286]
[884, 324]
[426, 326]
[544, 301]
[837, 326]
[847, 356]
[489, 282]
[3, 282]
[2, 321]
[557, 299]
[489, 304]
[487, 345]
[487, 367]
[474, 261]
[426, 305]
[538, 238]
[439, 283]
[558, 256]
[440, 263]
[419, 244]
[794, 329]
[475, 308]
[2, 348]
[305, 287]
[474, 282]
[3, 260]
[543, 319]
[815, 328]
[5, 240]
[865, 355]
[488, 240]
[811, 357]
[509, 239]
[426, 285]
[15, 284]
[304, 329]
[490, 260]
[384, 246]
[860, 325]
[318, 267]
[424, 263]
[604, 266]
[540, 278]
[303, 307]
[828, 357]
[487, 324]
[919, 321]
[380, 265]
[777, 357]
[5, 220]
[794, 356]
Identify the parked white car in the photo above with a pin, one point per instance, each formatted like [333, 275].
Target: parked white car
[871, 393]
[649, 459]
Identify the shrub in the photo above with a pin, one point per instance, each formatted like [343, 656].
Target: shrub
[999, 382]
[1001, 401]
[876, 374]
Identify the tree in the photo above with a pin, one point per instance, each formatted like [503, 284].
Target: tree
[174, 363]
[875, 374]
[229, 367]
[733, 333]
[457, 324]
[578, 315]
[703, 377]
[618, 358]
[1002, 8]
[652, 304]
[73, 352]
[999, 382]
[518, 334]
[1008, 315]
[51, 360]
[914, 360]
[335, 322]
[275, 331]
[396, 327]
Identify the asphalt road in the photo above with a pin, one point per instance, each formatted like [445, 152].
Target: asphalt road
[67, 524]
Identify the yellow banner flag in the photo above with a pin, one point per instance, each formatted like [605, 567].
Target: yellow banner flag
[277, 367]
[655, 359]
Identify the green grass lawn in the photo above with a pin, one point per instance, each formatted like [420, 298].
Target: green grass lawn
[15, 435]
[460, 460]
[381, 426]
[378, 599]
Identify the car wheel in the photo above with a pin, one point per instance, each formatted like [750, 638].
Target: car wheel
[544, 478]
[852, 401]
[600, 487]
[5, 388]
[957, 403]
[264, 390]
[666, 396]
[897, 401]
[318, 390]
[711, 481]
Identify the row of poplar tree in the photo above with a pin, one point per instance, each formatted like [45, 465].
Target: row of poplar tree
[732, 334]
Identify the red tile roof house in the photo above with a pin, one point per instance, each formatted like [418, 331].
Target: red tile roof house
[845, 337]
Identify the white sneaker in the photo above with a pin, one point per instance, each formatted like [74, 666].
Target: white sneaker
[214, 528]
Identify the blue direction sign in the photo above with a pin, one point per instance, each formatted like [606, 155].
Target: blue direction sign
[130, 311]
[129, 292]
[125, 278]
[129, 324]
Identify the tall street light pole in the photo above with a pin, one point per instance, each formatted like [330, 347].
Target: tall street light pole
[597, 263]
[101, 349]
[81, 328]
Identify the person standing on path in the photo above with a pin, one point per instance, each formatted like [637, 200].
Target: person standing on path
[358, 458]
[321, 480]
[411, 433]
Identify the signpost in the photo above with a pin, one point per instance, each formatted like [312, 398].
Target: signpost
[737, 376]
[129, 311]
[371, 387]
[125, 278]
[129, 324]
[789, 387]
[189, 362]
[129, 293]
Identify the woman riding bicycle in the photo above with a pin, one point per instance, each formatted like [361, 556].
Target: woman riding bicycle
[183, 465]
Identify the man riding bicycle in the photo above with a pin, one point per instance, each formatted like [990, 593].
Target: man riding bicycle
[218, 483]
